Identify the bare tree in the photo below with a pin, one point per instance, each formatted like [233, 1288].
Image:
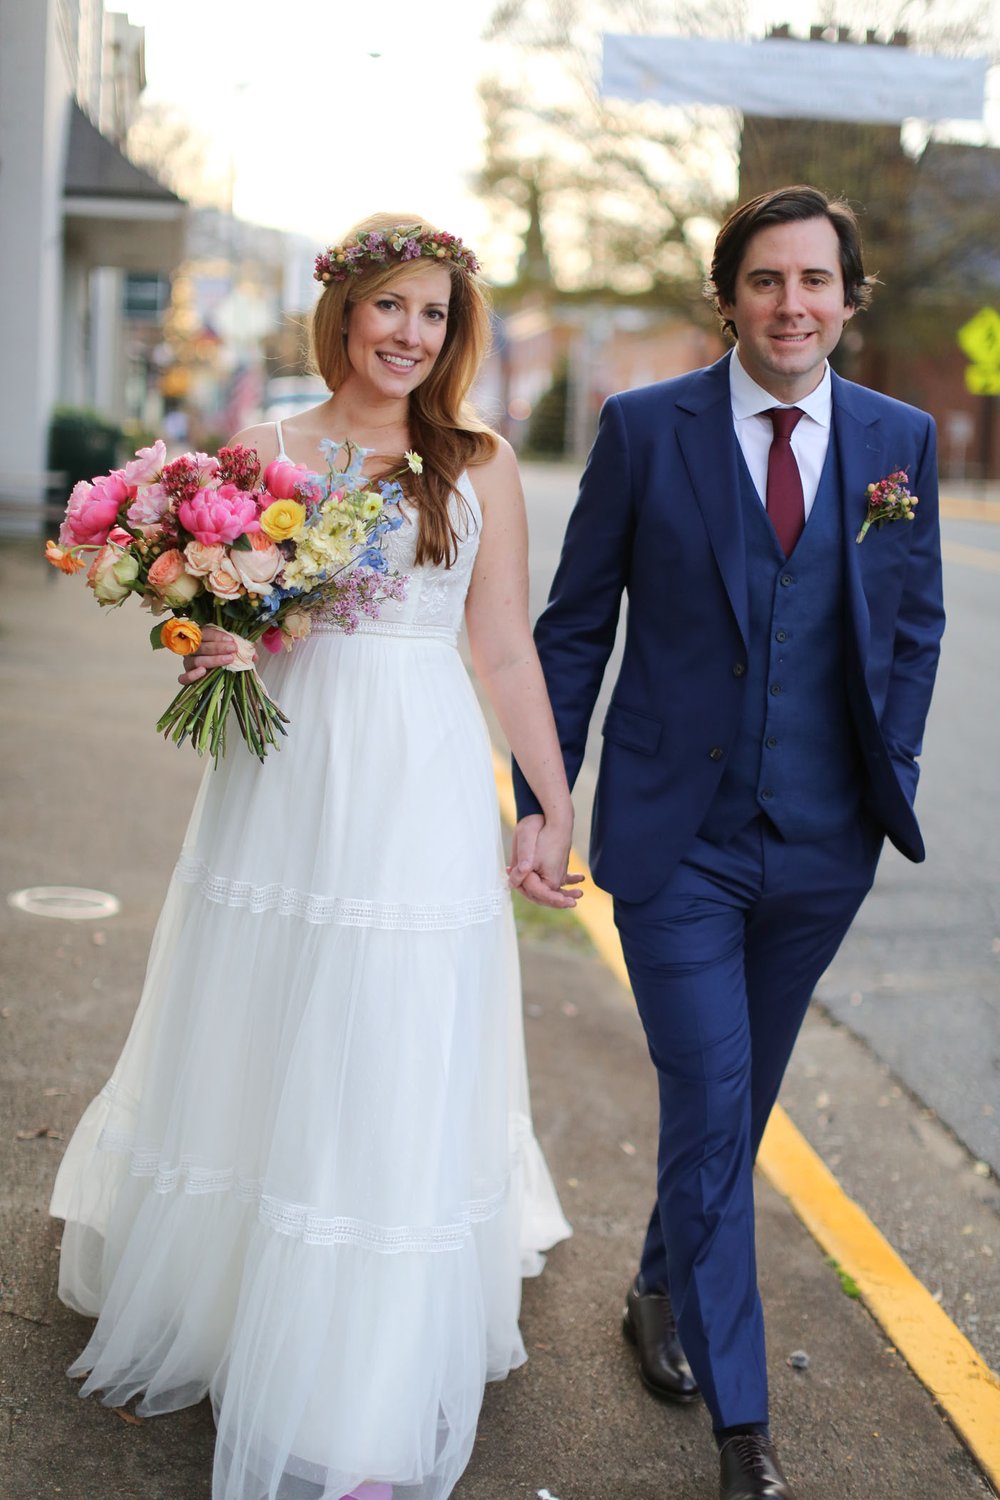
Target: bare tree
[626, 197]
[164, 143]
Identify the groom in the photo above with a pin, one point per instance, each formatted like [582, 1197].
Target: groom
[761, 739]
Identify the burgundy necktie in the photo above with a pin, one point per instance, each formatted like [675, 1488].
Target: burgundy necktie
[785, 504]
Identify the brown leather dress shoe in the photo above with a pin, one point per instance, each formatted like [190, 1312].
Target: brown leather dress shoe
[648, 1323]
[749, 1470]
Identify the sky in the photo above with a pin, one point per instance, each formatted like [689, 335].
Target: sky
[316, 131]
[320, 112]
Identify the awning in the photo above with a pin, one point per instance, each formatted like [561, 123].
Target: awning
[114, 213]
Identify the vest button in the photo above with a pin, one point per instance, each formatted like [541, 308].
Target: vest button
[775, 689]
[781, 635]
[738, 669]
[716, 752]
[767, 794]
[771, 742]
[786, 579]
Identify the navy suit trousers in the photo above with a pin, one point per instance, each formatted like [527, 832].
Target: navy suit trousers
[723, 961]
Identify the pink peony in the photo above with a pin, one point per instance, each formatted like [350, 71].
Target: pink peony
[92, 511]
[218, 515]
[120, 537]
[170, 581]
[283, 479]
[147, 464]
[149, 506]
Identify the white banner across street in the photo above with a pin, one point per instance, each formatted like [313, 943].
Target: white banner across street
[796, 80]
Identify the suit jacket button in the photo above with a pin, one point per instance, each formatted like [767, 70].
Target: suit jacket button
[767, 794]
[739, 669]
[716, 753]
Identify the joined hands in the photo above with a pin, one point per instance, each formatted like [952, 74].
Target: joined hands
[539, 860]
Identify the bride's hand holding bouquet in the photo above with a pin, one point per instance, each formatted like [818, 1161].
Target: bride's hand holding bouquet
[234, 556]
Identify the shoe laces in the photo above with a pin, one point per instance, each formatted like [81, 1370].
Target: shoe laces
[752, 1450]
[667, 1313]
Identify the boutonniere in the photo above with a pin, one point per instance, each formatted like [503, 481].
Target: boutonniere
[888, 500]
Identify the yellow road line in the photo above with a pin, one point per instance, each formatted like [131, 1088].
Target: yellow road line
[970, 510]
[972, 557]
[938, 1354]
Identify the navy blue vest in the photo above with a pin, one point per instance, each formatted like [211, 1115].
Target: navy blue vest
[795, 758]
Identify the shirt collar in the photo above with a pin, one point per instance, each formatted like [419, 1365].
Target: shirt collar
[750, 399]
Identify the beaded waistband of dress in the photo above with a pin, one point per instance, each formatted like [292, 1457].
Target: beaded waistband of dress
[407, 629]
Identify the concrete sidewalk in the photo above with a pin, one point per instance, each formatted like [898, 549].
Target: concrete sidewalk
[92, 798]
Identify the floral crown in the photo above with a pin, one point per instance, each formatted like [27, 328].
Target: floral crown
[382, 247]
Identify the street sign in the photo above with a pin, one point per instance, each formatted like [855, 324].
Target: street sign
[979, 340]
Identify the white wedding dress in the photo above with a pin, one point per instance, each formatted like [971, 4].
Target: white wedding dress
[311, 1187]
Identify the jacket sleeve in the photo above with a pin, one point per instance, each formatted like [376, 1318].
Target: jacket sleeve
[919, 627]
[576, 632]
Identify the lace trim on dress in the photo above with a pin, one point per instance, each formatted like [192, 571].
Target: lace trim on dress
[298, 1220]
[344, 911]
[407, 629]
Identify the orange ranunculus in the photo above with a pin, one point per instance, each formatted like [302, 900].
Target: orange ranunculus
[63, 559]
[181, 636]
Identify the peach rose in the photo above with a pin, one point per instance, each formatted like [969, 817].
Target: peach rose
[112, 574]
[170, 581]
[257, 567]
[224, 581]
[202, 558]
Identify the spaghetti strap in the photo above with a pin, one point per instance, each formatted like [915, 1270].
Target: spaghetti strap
[281, 439]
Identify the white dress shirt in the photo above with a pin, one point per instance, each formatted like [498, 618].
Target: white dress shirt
[810, 440]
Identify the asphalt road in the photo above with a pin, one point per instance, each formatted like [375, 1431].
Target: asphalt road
[93, 798]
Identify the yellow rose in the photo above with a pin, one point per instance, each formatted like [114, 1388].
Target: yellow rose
[283, 519]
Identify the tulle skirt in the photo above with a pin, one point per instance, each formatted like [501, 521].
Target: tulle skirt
[311, 1187]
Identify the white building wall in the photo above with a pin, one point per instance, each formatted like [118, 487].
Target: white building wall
[35, 90]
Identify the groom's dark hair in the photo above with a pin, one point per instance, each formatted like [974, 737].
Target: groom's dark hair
[786, 206]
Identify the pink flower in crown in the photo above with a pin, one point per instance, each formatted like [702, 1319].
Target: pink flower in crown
[283, 479]
[147, 464]
[219, 515]
[149, 506]
[93, 510]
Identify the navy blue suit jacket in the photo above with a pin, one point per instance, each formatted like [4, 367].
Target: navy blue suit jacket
[659, 518]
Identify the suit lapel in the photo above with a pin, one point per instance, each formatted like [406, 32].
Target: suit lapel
[708, 445]
[861, 452]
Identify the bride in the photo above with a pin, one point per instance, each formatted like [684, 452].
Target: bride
[311, 1186]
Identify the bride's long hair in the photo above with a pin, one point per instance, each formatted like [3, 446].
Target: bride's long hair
[444, 427]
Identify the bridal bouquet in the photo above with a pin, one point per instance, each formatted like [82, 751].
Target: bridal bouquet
[211, 540]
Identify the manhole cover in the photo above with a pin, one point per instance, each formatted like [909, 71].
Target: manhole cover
[71, 902]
